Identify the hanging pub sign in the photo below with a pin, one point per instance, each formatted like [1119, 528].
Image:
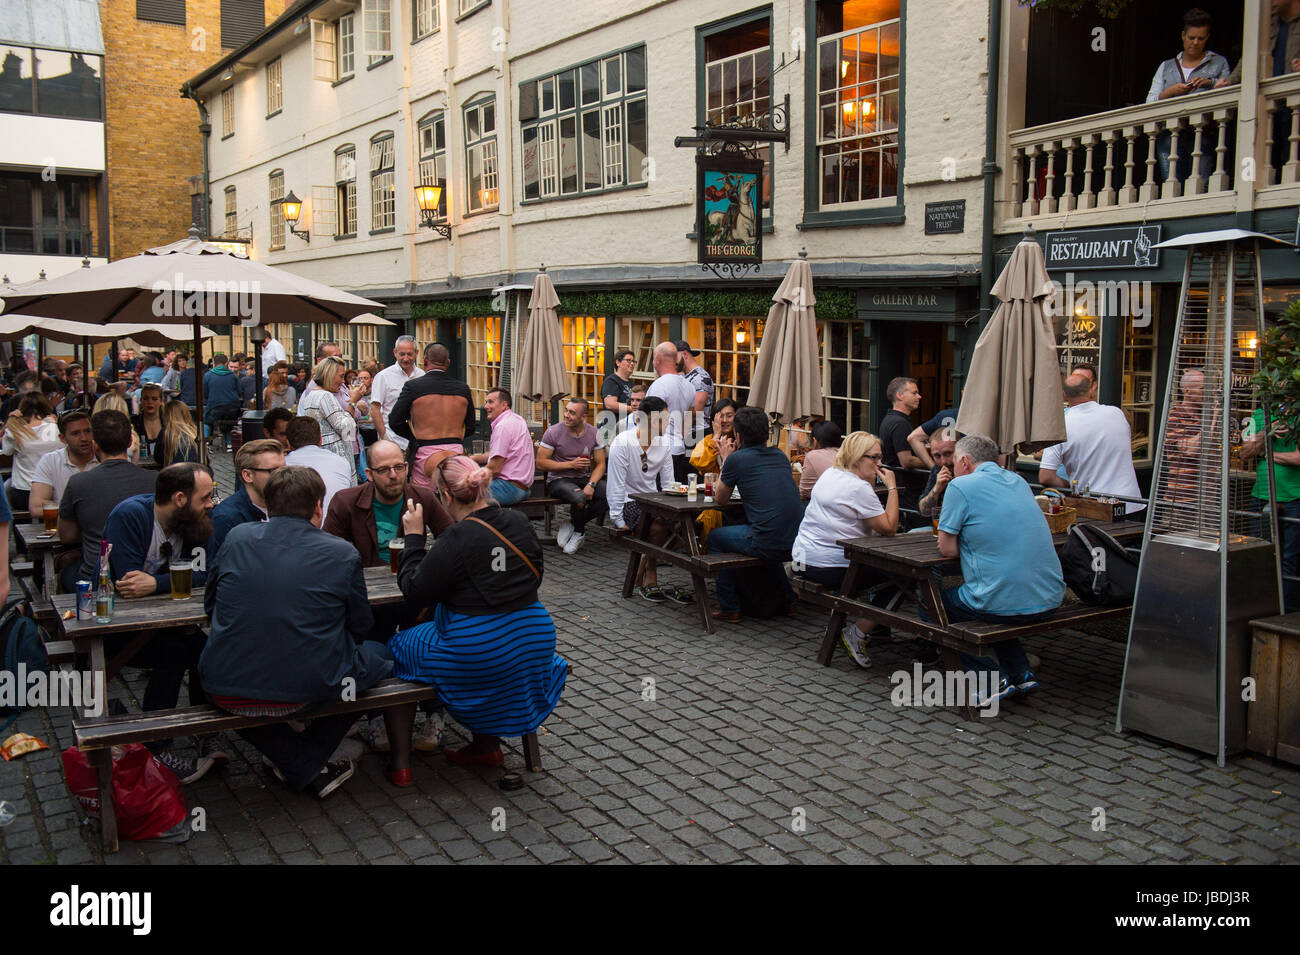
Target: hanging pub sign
[728, 220]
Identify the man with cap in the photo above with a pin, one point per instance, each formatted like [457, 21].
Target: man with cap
[702, 382]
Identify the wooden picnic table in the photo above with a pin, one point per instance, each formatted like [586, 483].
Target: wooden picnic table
[40, 544]
[909, 562]
[680, 514]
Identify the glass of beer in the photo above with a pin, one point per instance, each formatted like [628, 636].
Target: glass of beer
[182, 574]
[934, 522]
[395, 548]
[51, 511]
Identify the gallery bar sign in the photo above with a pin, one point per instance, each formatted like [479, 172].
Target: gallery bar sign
[728, 209]
[1128, 247]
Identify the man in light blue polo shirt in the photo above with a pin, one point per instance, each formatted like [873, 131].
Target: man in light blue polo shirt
[1012, 574]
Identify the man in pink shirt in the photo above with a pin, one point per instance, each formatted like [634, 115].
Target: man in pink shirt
[510, 455]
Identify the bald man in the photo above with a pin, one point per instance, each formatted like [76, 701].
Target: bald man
[434, 413]
[1098, 448]
[679, 395]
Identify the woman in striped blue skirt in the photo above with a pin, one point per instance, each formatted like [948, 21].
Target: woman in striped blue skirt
[490, 647]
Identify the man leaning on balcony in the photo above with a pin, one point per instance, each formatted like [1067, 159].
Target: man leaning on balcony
[1283, 41]
[1191, 71]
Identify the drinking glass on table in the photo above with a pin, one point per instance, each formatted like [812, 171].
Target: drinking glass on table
[182, 575]
[51, 514]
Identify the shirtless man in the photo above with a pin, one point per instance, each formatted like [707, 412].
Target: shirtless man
[434, 413]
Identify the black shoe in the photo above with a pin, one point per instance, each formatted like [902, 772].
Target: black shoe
[331, 778]
[188, 769]
[926, 654]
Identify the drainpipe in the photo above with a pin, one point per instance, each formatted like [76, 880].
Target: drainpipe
[205, 128]
[991, 170]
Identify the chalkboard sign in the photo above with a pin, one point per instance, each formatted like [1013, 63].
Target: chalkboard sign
[945, 217]
[1084, 332]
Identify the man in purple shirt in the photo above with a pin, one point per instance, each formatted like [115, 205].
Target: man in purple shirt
[510, 455]
[574, 463]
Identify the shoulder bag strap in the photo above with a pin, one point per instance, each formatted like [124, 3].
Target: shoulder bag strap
[508, 543]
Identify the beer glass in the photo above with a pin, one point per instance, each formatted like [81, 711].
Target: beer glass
[182, 575]
[395, 548]
[51, 512]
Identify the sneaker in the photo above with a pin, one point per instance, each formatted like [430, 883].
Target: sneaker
[926, 654]
[213, 746]
[678, 595]
[574, 542]
[652, 594]
[563, 534]
[855, 643]
[1004, 690]
[275, 770]
[348, 749]
[332, 776]
[376, 735]
[1027, 683]
[428, 735]
[188, 769]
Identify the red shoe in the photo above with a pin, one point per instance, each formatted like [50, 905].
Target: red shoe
[400, 778]
[463, 757]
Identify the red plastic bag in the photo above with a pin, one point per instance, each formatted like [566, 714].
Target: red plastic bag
[147, 796]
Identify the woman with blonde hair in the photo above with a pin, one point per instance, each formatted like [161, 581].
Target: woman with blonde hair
[845, 504]
[29, 433]
[179, 440]
[278, 392]
[338, 429]
[490, 646]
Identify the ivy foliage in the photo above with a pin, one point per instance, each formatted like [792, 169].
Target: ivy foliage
[1109, 9]
[832, 303]
[1278, 378]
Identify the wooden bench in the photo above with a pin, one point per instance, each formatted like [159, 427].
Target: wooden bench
[95, 736]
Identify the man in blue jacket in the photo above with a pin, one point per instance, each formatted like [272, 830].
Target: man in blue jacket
[255, 462]
[147, 531]
[221, 396]
[290, 616]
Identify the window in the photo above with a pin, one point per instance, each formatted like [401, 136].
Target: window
[274, 90]
[482, 337]
[367, 344]
[227, 112]
[425, 18]
[347, 45]
[377, 23]
[232, 216]
[846, 373]
[161, 11]
[51, 83]
[324, 213]
[45, 217]
[433, 157]
[1138, 395]
[641, 335]
[241, 21]
[276, 191]
[481, 156]
[857, 102]
[345, 187]
[730, 347]
[583, 343]
[469, 6]
[584, 130]
[324, 51]
[383, 195]
[738, 84]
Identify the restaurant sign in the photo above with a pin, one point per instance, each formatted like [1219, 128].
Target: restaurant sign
[728, 211]
[1128, 247]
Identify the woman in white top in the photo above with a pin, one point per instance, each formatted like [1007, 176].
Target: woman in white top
[844, 504]
[338, 429]
[28, 435]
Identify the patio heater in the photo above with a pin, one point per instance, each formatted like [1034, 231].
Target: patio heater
[1208, 565]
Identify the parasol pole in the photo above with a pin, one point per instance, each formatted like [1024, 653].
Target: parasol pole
[198, 390]
[257, 374]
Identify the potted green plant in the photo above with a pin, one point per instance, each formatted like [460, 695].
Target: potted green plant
[1278, 379]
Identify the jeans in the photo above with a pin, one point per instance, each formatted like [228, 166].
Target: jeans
[1186, 143]
[739, 539]
[507, 492]
[1012, 664]
[300, 756]
[570, 491]
[170, 654]
[1290, 534]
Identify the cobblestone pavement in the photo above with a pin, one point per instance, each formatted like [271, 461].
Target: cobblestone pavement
[745, 736]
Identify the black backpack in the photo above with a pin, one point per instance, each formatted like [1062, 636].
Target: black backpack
[1097, 567]
[20, 642]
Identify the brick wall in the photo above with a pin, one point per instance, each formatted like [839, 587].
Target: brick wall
[154, 143]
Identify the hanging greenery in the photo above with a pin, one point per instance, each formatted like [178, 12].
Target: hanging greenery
[832, 303]
[1278, 378]
[1109, 9]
